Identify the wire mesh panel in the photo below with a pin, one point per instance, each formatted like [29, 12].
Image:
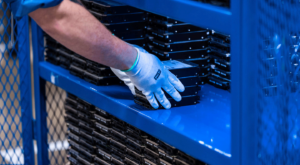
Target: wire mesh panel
[57, 139]
[16, 145]
[278, 95]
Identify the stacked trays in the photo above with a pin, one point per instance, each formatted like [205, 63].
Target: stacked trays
[188, 73]
[170, 39]
[125, 22]
[98, 138]
[79, 66]
[220, 55]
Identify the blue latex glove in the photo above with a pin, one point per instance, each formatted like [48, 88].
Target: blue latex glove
[150, 76]
[21, 8]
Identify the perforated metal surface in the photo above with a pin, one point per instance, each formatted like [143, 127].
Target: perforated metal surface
[278, 77]
[15, 92]
[57, 139]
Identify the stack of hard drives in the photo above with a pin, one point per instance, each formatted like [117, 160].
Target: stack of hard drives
[220, 58]
[170, 39]
[188, 73]
[125, 22]
[57, 54]
[98, 138]
[79, 66]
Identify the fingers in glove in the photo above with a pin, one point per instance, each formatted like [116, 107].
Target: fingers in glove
[160, 95]
[150, 97]
[175, 81]
[172, 91]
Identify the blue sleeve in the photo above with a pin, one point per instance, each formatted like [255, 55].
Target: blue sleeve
[21, 8]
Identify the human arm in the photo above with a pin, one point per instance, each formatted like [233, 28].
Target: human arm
[74, 27]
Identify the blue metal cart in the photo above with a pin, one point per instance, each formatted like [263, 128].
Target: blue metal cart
[250, 125]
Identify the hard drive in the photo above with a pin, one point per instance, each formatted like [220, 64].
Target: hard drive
[87, 136]
[102, 120]
[101, 161]
[118, 18]
[72, 160]
[186, 100]
[101, 80]
[151, 155]
[165, 156]
[115, 161]
[222, 73]
[118, 136]
[181, 68]
[189, 81]
[100, 144]
[218, 82]
[104, 155]
[203, 79]
[161, 19]
[76, 71]
[173, 28]
[202, 62]
[102, 113]
[180, 46]
[136, 41]
[79, 61]
[133, 156]
[220, 50]
[86, 160]
[222, 64]
[102, 129]
[163, 162]
[189, 54]
[98, 69]
[119, 125]
[71, 118]
[224, 37]
[126, 26]
[166, 148]
[149, 162]
[73, 136]
[111, 7]
[130, 34]
[136, 134]
[85, 154]
[87, 127]
[86, 3]
[130, 162]
[138, 148]
[87, 146]
[117, 153]
[178, 37]
[151, 145]
[73, 128]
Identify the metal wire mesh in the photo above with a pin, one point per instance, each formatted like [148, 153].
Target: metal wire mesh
[57, 138]
[11, 142]
[278, 95]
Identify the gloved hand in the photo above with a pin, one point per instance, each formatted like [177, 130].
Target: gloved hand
[149, 75]
[123, 76]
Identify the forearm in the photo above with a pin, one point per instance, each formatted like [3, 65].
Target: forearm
[74, 27]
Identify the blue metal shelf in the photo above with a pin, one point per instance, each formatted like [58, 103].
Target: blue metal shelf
[201, 130]
[196, 13]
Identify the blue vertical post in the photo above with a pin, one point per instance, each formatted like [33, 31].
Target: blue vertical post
[40, 95]
[22, 40]
[243, 81]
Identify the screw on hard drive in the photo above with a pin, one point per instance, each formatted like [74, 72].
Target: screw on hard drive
[189, 29]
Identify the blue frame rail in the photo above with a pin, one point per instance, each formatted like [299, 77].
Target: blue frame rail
[196, 13]
[207, 139]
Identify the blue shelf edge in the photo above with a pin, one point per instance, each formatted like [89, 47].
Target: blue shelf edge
[196, 13]
[204, 139]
